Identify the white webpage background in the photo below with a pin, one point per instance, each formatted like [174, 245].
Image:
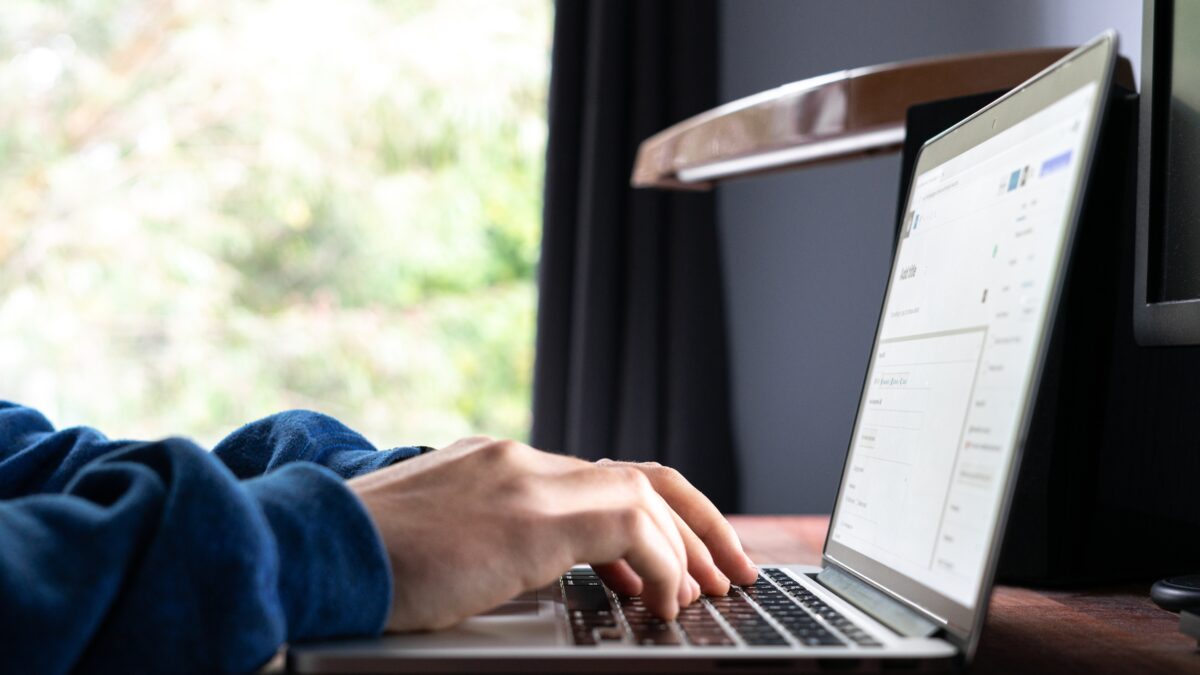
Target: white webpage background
[960, 332]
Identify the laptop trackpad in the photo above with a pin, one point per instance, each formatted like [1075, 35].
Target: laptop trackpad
[511, 608]
[523, 625]
[524, 604]
[528, 620]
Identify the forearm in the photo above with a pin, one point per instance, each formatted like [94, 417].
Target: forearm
[156, 558]
[334, 578]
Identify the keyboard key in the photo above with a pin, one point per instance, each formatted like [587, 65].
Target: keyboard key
[582, 636]
[813, 634]
[590, 619]
[701, 628]
[612, 633]
[655, 633]
[586, 598]
[593, 619]
[588, 607]
[746, 621]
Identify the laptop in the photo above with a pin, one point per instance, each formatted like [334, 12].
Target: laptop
[920, 512]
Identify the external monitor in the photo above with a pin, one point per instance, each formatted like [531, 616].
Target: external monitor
[1167, 275]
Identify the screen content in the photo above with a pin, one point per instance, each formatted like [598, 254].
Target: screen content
[959, 336]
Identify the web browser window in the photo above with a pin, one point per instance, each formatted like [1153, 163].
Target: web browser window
[957, 347]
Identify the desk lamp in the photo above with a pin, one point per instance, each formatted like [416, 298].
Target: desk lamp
[841, 115]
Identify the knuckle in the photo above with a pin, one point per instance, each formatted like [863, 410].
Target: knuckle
[631, 520]
[641, 483]
[501, 451]
[663, 472]
[672, 474]
[633, 476]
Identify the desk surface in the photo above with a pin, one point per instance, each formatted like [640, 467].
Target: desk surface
[1108, 630]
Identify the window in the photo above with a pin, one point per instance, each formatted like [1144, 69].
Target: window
[215, 210]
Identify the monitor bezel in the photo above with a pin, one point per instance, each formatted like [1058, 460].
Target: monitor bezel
[1091, 63]
[1156, 322]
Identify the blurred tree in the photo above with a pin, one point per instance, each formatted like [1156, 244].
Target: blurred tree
[214, 210]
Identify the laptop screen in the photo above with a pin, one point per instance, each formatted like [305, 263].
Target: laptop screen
[958, 347]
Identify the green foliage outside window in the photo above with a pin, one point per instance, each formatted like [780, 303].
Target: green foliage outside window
[212, 210]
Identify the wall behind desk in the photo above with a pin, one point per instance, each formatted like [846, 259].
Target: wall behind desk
[806, 253]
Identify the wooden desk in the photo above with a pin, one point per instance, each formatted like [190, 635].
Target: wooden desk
[1108, 630]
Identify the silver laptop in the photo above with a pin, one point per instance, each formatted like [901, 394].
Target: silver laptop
[920, 513]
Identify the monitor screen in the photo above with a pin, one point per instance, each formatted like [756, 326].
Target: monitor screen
[1181, 158]
[1167, 274]
[957, 348]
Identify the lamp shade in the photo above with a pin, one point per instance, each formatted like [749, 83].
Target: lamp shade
[830, 117]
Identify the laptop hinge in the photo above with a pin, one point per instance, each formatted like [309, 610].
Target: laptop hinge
[878, 605]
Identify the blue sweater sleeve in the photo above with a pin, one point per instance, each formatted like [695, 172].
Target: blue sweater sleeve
[302, 435]
[154, 557]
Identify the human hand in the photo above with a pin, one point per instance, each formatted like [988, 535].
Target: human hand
[480, 521]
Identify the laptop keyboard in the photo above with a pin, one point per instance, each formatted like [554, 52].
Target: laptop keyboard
[802, 628]
[755, 615]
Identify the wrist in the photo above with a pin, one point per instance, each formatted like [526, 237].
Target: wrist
[334, 577]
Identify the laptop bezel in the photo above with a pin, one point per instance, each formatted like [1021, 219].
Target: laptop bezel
[1091, 63]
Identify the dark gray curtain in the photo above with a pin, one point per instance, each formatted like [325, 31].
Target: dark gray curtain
[631, 346]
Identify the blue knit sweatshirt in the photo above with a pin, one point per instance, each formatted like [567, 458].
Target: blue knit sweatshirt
[129, 556]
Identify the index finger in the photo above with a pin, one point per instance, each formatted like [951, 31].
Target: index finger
[705, 519]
